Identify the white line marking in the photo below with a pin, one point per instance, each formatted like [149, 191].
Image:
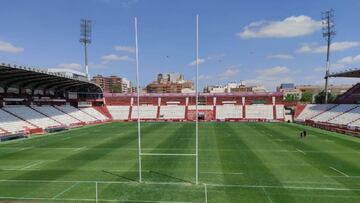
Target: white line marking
[32, 164]
[160, 154]
[66, 138]
[63, 192]
[89, 200]
[206, 195]
[342, 176]
[267, 195]
[301, 151]
[287, 187]
[342, 173]
[222, 173]
[78, 149]
[311, 182]
[193, 185]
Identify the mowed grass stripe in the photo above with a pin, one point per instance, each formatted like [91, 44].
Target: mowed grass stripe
[86, 155]
[254, 173]
[240, 162]
[321, 161]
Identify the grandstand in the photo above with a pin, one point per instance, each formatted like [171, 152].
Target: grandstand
[70, 166]
[342, 116]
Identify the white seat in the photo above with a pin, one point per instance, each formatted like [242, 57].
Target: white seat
[119, 112]
[312, 110]
[172, 112]
[347, 117]
[146, 112]
[333, 112]
[32, 116]
[76, 113]
[56, 114]
[259, 111]
[280, 113]
[94, 113]
[228, 111]
[13, 124]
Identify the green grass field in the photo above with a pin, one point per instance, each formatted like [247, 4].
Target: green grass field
[238, 162]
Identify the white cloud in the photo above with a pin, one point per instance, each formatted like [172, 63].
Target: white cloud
[114, 57]
[209, 58]
[336, 46]
[229, 72]
[292, 26]
[281, 56]
[200, 61]
[340, 64]
[349, 60]
[72, 66]
[266, 73]
[271, 77]
[125, 48]
[10, 48]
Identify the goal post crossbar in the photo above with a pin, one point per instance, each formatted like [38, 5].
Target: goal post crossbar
[161, 154]
[140, 154]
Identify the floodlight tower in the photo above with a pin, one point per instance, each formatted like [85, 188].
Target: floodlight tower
[85, 39]
[328, 28]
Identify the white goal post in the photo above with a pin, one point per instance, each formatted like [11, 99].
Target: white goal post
[140, 154]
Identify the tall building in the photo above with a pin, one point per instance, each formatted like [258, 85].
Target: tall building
[113, 84]
[170, 83]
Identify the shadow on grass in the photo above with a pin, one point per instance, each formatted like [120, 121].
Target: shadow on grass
[120, 176]
[169, 176]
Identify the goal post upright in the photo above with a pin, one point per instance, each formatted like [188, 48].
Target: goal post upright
[197, 100]
[140, 154]
[138, 97]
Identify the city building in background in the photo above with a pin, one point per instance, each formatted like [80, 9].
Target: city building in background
[233, 88]
[113, 84]
[170, 83]
[297, 92]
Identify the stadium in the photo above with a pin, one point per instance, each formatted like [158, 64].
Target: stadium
[82, 145]
[63, 138]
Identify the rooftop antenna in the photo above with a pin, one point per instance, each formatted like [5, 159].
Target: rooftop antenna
[85, 39]
[328, 28]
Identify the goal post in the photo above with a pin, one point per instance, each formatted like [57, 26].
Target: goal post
[140, 154]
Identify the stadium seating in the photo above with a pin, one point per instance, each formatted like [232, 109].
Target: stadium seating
[32, 116]
[146, 112]
[94, 113]
[13, 124]
[201, 107]
[347, 117]
[172, 112]
[56, 114]
[279, 111]
[333, 112]
[355, 124]
[76, 113]
[228, 111]
[312, 110]
[119, 112]
[259, 111]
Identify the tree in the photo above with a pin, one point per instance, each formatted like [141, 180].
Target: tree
[116, 88]
[320, 98]
[291, 98]
[306, 97]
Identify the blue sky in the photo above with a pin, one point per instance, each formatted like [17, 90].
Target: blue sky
[260, 42]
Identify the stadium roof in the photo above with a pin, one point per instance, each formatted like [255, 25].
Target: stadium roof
[352, 73]
[32, 78]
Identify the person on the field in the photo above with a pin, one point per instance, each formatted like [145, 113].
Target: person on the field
[301, 135]
[304, 133]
